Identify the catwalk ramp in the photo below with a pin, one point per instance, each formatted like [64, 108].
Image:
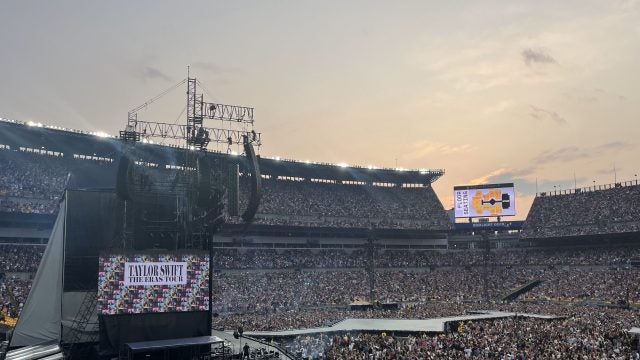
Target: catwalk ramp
[435, 325]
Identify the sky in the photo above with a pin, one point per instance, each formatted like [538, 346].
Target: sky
[542, 92]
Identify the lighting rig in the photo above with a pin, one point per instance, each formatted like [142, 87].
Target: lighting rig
[182, 207]
[196, 135]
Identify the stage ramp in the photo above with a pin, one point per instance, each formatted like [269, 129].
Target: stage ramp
[435, 325]
[46, 351]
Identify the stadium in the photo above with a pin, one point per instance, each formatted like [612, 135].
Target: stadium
[472, 191]
[338, 262]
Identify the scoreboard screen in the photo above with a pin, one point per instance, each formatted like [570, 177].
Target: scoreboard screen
[489, 200]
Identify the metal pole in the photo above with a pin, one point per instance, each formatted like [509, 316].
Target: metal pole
[371, 265]
[485, 285]
[210, 246]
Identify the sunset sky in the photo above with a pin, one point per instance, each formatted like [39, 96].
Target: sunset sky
[491, 91]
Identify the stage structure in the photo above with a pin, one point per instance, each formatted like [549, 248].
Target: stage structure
[131, 265]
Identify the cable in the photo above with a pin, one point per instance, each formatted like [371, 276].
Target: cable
[181, 112]
[163, 93]
[205, 89]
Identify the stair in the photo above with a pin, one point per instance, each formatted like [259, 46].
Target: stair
[514, 294]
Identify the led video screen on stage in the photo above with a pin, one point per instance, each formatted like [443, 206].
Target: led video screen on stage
[153, 283]
[484, 200]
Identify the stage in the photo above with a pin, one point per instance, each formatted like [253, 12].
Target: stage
[435, 325]
[235, 344]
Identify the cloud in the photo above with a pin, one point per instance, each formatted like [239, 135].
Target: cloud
[592, 96]
[560, 184]
[499, 107]
[614, 145]
[537, 56]
[572, 153]
[564, 154]
[544, 114]
[208, 66]
[151, 73]
[490, 177]
[424, 148]
[505, 175]
[508, 175]
[608, 171]
[524, 180]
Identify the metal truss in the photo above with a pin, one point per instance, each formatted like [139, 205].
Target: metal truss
[148, 129]
[239, 118]
[231, 113]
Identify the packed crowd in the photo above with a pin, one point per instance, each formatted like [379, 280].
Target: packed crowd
[318, 317]
[264, 298]
[14, 288]
[271, 292]
[606, 211]
[612, 285]
[588, 333]
[33, 183]
[25, 176]
[270, 283]
[322, 204]
[226, 258]
[13, 294]
[20, 258]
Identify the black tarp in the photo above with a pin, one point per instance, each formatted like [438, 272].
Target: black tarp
[93, 225]
[117, 330]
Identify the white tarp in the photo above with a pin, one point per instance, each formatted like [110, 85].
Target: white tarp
[41, 314]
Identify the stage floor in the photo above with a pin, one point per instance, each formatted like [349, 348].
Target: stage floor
[434, 325]
[237, 344]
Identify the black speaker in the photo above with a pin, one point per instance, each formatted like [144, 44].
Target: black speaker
[256, 183]
[203, 186]
[233, 190]
[123, 182]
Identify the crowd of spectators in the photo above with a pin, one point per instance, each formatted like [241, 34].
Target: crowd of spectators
[275, 291]
[33, 183]
[326, 316]
[17, 264]
[270, 296]
[580, 332]
[20, 258]
[340, 205]
[612, 285]
[251, 258]
[267, 282]
[13, 294]
[589, 334]
[29, 206]
[606, 211]
[31, 177]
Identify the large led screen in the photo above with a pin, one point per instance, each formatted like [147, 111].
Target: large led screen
[153, 283]
[484, 200]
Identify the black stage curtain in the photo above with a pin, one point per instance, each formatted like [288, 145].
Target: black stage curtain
[92, 225]
[117, 330]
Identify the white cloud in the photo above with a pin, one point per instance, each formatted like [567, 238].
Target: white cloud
[487, 177]
[424, 148]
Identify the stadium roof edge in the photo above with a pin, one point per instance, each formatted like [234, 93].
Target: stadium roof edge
[37, 135]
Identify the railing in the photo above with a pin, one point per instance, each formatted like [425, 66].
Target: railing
[273, 345]
[587, 189]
